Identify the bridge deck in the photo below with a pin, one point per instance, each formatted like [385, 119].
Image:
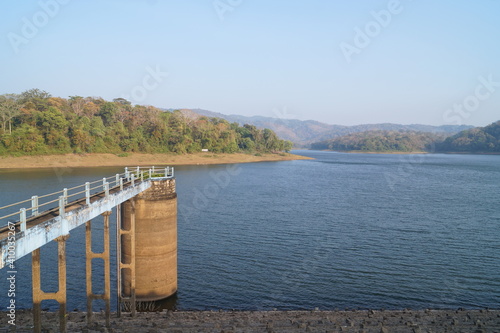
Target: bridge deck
[49, 225]
[54, 212]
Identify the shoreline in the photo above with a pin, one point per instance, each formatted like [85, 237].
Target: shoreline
[375, 152]
[385, 321]
[407, 152]
[137, 159]
[383, 152]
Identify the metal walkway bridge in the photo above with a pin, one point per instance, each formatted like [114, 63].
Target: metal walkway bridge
[29, 224]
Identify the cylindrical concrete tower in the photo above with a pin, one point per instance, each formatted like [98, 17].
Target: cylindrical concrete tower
[155, 242]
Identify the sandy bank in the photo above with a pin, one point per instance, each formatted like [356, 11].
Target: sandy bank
[98, 160]
[274, 321]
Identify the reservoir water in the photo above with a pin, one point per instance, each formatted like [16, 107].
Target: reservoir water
[340, 231]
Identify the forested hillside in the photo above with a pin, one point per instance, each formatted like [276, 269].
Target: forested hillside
[383, 141]
[476, 140]
[34, 122]
[305, 132]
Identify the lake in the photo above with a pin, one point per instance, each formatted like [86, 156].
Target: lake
[341, 231]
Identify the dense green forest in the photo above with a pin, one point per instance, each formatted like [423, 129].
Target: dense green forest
[34, 122]
[476, 140]
[383, 141]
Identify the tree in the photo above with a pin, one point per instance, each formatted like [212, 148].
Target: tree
[52, 119]
[122, 101]
[32, 94]
[26, 139]
[287, 146]
[9, 108]
[90, 109]
[77, 104]
[108, 112]
[270, 139]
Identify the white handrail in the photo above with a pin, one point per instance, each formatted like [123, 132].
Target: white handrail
[133, 175]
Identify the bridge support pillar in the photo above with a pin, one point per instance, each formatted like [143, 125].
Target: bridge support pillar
[126, 238]
[59, 296]
[152, 247]
[105, 257]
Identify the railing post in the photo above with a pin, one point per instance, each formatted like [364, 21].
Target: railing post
[34, 205]
[132, 179]
[166, 172]
[61, 206]
[117, 179]
[126, 173]
[153, 168]
[138, 171]
[150, 173]
[121, 184]
[106, 189]
[172, 172]
[87, 193]
[23, 219]
[65, 195]
[142, 176]
[103, 182]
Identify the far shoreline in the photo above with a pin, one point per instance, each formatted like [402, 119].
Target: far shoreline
[137, 159]
[407, 152]
[374, 152]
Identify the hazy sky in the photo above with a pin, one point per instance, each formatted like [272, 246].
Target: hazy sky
[337, 61]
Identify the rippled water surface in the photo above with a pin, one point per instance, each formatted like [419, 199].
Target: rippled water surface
[340, 231]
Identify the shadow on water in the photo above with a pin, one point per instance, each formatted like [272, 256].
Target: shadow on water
[169, 303]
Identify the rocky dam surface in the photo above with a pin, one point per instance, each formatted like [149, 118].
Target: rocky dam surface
[379, 321]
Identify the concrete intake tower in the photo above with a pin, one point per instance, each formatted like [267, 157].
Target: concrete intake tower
[149, 237]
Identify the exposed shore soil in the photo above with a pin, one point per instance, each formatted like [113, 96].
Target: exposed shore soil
[271, 321]
[133, 159]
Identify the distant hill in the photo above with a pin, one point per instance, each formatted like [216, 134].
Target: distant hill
[383, 141]
[305, 132]
[300, 132]
[475, 140]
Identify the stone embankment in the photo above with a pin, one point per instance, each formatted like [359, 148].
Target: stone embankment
[487, 321]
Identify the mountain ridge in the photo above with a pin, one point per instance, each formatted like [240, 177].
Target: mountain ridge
[305, 132]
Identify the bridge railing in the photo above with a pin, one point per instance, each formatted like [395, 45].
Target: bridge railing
[19, 212]
[167, 172]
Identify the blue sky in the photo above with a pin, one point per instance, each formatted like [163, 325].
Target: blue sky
[339, 62]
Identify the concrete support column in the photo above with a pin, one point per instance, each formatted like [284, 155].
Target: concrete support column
[59, 296]
[118, 259]
[126, 239]
[153, 244]
[105, 255]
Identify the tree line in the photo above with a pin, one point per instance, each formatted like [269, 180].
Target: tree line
[475, 140]
[382, 141]
[34, 123]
